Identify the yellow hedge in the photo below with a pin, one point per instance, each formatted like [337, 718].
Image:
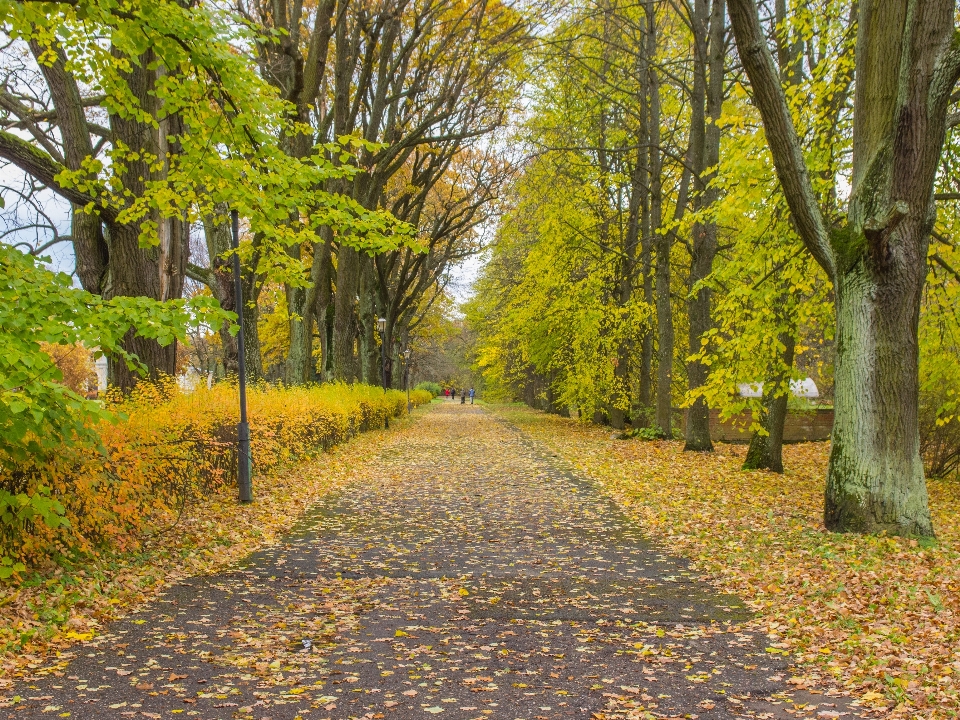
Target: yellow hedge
[420, 397]
[168, 448]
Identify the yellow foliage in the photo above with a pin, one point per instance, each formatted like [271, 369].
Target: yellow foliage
[75, 362]
[169, 448]
[420, 397]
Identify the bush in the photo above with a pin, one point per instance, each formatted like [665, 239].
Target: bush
[169, 448]
[431, 387]
[420, 397]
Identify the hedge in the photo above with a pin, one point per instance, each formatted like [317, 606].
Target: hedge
[164, 449]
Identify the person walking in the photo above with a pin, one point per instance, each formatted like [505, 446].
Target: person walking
[463, 397]
[453, 392]
[472, 394]
[446, 393]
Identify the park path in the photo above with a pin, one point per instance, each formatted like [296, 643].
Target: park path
[465, 572]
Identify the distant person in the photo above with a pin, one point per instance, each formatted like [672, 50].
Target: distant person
[454, 391]
[472, 395]
[446, 393]
[463, 397]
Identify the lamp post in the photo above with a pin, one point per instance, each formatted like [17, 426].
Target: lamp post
[382, 329]
[406, 376]
[244, 483]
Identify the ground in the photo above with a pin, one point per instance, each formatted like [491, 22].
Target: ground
[466, 570]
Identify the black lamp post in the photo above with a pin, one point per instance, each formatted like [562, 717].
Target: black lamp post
[243, 427]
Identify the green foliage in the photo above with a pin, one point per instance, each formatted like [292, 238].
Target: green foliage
[939, 332]
[654, 432]
[37, 413]
[40, 416]
[766, 287]
[547, 303]
[431, 387]
[233, 125]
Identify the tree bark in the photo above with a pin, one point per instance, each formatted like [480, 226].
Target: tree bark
[136, 271]
[321, 274]
[907, 66]
[89, 246]
[298, 368]
[766, 449]
[217, 231]
[704, 245]
[345, 310]
[875, 480]
[664, 409]
[369, 349]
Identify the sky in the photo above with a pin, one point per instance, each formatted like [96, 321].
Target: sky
[17, 216]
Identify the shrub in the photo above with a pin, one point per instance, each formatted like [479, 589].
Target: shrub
[168, 448]
[939, 431]
[420, 397]
[431, 387]
[47, 426]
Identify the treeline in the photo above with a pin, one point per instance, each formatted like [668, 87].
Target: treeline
[354, 140]
[694, 218]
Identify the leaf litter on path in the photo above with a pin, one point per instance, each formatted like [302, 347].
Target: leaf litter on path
[875, 616]
[463, 571]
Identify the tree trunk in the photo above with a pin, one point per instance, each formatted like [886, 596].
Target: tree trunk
[662, 266]
[251, 338]
[697, 432]
[90, 250]
[216, 230]
[369, 348]
[766, 449]
[135, 271]
[321, 275]
[345, 308]
[297, 364]
[645, 241]
[875, 480]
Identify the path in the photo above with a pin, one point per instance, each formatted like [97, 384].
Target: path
[465, 573]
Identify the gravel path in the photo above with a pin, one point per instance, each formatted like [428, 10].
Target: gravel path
[465, 573]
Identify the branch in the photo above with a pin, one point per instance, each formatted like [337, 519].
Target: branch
[200, 274]
[781, 134]
[945, 76]
[936, 257]
[44, 169]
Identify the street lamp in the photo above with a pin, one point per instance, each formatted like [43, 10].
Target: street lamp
[382, 329]
[406, 376]
[244, 483]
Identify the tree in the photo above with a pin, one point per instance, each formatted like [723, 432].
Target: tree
[907, 66]
[708, 93]
[771, 295]
[190, 130]
[421, 84]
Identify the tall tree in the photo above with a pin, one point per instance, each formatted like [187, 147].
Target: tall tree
[709, 56]
[191, 129]
[907, 66]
